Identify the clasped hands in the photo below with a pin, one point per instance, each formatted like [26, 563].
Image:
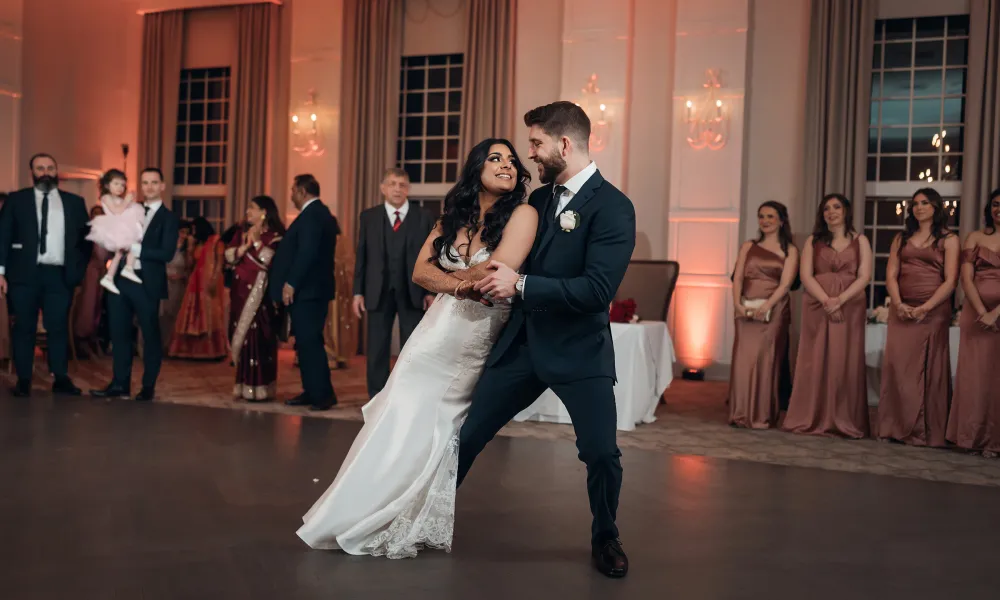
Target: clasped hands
[833, 306]
[911, 313]
[498, 285]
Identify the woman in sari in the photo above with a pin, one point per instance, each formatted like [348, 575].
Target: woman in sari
[200, 332]
[253, 317]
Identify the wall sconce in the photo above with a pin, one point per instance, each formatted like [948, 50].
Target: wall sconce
[600, 126]
[706, 117]
[307, 139]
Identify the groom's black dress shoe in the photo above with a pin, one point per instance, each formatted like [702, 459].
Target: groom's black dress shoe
[22, 389]
[300, 400]
[145, 395]
[64, 387]
[610, 559]
[112, 391]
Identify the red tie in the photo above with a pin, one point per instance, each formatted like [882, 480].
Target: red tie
[398, 222]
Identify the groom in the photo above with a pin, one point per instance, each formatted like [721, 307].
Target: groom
[559, 335]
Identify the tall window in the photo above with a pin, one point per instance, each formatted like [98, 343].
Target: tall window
[916, 133]
[202, 147]
[430, 106]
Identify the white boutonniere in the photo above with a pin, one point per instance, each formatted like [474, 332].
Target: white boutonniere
[569, 220]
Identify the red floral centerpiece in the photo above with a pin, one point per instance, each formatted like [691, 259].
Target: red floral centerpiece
[623, 311]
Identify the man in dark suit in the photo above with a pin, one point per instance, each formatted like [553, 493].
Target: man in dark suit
[559, 335]
[43, 257]
[389, 240]
[141, 301]
[302, 278]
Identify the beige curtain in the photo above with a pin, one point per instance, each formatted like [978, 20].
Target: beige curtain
[837, 104]
[981, 168]
[369, 115]
[160, 81]
[488, 90]
[253, 98]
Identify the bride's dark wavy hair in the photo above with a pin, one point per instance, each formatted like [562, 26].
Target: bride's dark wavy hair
[461, 205]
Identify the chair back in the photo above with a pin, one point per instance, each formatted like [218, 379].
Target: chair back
[651, 284]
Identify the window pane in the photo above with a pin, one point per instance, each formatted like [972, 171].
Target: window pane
[896, 112]
[929, 54]
[958, 25]
[926, 112]
[923, 167]
[413, 170]
[455, 77]
[434, 173]
[883, 241]
[197, 133]
[194, 175]
[414, 126]
[896, 29]
[954, 110]
[435, 149]
[198, 111]
[957, 51]
[413, 150]
[196, 155]
[869, 212]
[922, 139]
[178, 174]
[879, 30]
[877, 57]
[876, 85]
[954, 140]
[215, 90]
[452, 149]
[181, 133]
[415, 61]
[415, 79]
[886, 213]
[213, 154]
[437, 79]
[180, 156]
[197, 90]
[451, 172]
[895, 140]
[872, 167]
[435, 102]
[881, 293]
[435, 126]
[454, 102]
[213, 175]
[415, 102]
[927, 83]
[896, 84]
[881, 264]
[954, 81]
[437, 59]
[898, 55]
[955, 173]
[215, 111]
[892, 168]
[930, 27]
[215, 133]
[872, 140]
[182, 112]
[874, 113]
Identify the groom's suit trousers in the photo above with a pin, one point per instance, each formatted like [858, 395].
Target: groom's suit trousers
[511, 385]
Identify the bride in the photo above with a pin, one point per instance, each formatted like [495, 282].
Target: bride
[395, 492]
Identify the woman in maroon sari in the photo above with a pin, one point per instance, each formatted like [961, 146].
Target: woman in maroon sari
[253, 317]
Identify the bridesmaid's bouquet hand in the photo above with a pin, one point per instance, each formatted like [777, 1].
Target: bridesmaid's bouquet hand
[761, 313]
[989, 321]
[740, 311]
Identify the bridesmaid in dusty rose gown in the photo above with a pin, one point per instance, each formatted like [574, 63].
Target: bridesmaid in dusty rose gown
[829, 396]
[974, 421]
[765, 272]
[916, 370]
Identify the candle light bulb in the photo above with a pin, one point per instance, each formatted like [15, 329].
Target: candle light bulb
[943, 133]
[718, 103]
[313, 117]
[690, 104]
[603, 107]
[295, 118]
[947, 168]
[947, 148]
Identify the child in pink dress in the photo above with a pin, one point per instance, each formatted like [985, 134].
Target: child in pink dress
[118, 228]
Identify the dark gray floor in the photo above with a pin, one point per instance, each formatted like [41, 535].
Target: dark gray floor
[133, 501]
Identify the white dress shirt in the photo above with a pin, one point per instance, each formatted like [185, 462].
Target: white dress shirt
[151, 207]
[391, 211]
[55, 241]
[573, 186]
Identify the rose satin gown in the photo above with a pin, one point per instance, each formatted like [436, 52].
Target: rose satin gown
[829, 396]
[761, 349]
[916, 369]
[974, 421]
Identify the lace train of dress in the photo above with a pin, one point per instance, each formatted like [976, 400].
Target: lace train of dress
[395, 492]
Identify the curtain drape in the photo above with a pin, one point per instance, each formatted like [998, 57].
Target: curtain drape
[253, 99]
[981, 160]
[369, 115]
[837, 104]
[160, 81]
[488, 90]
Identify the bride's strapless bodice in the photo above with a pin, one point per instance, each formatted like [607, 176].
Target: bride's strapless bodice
[482, 255]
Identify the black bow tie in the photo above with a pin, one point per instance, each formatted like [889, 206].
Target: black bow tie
[145, 207]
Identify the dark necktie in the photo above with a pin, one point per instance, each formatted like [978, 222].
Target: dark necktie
[557, 193]
[42, 246]
[397, 223]
[145, 209]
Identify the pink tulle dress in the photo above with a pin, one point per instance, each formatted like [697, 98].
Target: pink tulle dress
[115, 232]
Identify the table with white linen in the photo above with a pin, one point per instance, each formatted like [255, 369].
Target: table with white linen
[644, 363]
[875, 336]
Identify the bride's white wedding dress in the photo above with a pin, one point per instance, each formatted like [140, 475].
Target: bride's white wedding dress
[395, 492]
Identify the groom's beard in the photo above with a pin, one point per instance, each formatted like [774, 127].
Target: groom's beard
[552, 166]
[45, 183]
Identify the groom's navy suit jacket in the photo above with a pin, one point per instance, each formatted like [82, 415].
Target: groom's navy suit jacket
[572, 276]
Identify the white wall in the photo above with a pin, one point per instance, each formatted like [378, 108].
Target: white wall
[779, 38]
[434, 27]
[11, 41]
[537, 64]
